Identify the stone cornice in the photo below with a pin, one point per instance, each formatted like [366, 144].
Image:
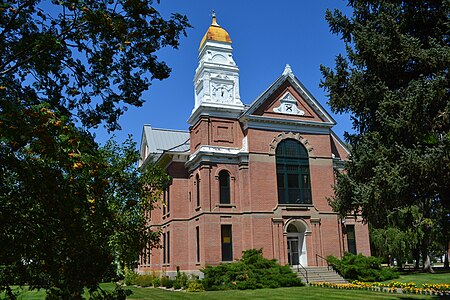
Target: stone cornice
[217, 155]
[215, 110]
[279, 124]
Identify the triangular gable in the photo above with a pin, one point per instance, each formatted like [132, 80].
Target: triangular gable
[338, 147]
[144, 149]
[287, 98]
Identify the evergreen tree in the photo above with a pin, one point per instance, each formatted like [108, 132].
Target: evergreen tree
[394, 81]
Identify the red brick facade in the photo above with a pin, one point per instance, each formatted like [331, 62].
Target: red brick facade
[232, 156]
[256, 218]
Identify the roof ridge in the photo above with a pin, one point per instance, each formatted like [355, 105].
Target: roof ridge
[173, 130]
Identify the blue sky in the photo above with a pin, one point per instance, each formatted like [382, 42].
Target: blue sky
[266, 36]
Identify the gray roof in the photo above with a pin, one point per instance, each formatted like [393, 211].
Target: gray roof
[163, 140]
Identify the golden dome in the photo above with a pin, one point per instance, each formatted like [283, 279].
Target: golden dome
[215, 33]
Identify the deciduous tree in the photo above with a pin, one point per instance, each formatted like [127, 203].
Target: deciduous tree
[70, 210]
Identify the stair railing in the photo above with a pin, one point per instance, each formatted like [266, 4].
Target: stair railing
[301, 271]
[321, 257]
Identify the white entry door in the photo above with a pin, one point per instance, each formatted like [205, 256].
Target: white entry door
[297, 250]
[293, 251]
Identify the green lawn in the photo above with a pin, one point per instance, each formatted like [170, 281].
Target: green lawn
[421, 278]
[281, 293]
[303, 293]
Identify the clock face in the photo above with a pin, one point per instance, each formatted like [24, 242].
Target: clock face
[222, 92]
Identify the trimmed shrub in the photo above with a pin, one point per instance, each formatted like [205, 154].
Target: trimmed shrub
[167, 282]
[145, 280]
[252, 271]
[362, 268]
[130, 276]
[195, 286]
[177, 285]
[156, 282]
[181, 280]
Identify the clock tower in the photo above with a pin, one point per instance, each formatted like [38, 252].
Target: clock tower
[216, 81]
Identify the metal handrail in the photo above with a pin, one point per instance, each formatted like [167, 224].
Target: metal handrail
[328, 263]
[306, 271]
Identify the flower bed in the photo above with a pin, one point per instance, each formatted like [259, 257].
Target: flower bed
[391, 287]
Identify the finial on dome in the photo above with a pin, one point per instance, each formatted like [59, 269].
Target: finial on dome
[214, 19]
[287, 70]
[215, 33]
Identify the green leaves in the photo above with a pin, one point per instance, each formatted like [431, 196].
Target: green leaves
[360, 267]
[252, 271]
[68, 52]
[72, 212]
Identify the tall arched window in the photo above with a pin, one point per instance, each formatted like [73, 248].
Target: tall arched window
[197, 183]
[293, 180]
[224, 180]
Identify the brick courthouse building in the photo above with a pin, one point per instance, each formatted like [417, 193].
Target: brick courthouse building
[248, 176]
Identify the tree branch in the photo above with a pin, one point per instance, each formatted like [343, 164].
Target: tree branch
[20, 63]
[7, 27]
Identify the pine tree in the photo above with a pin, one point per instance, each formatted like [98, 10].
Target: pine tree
[394, 81]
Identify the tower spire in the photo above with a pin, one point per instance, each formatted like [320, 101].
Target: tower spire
[214, 19]
[216, 81]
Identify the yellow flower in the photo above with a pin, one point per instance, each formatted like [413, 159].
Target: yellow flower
[77, 165]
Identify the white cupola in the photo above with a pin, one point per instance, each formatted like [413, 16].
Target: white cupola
[216, 81]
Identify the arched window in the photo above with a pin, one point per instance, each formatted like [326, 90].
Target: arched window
[293, 180]
[224, 182]
[197, 183]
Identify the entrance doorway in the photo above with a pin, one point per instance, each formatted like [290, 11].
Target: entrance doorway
[296, 244]
[293, 255]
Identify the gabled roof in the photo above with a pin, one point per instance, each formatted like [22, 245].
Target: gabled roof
[339, 148]
[160, 141]
[289, 76]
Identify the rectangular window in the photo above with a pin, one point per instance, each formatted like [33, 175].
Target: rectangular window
[280, 183]
[164, 249]
[168, 247]
[164, 202]
[197, 234]
[293, 188]
[227, 243]
[224, 182]
[197, 184]
[168, 199]
[306, 188]
[145, 257]
[351, 238]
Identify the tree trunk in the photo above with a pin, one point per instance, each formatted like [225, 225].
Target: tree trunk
[417, 258]
[426, 238]
[426, 257]
[447, 250]
[427, 265]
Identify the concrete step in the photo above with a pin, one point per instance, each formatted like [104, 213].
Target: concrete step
[319, 274]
